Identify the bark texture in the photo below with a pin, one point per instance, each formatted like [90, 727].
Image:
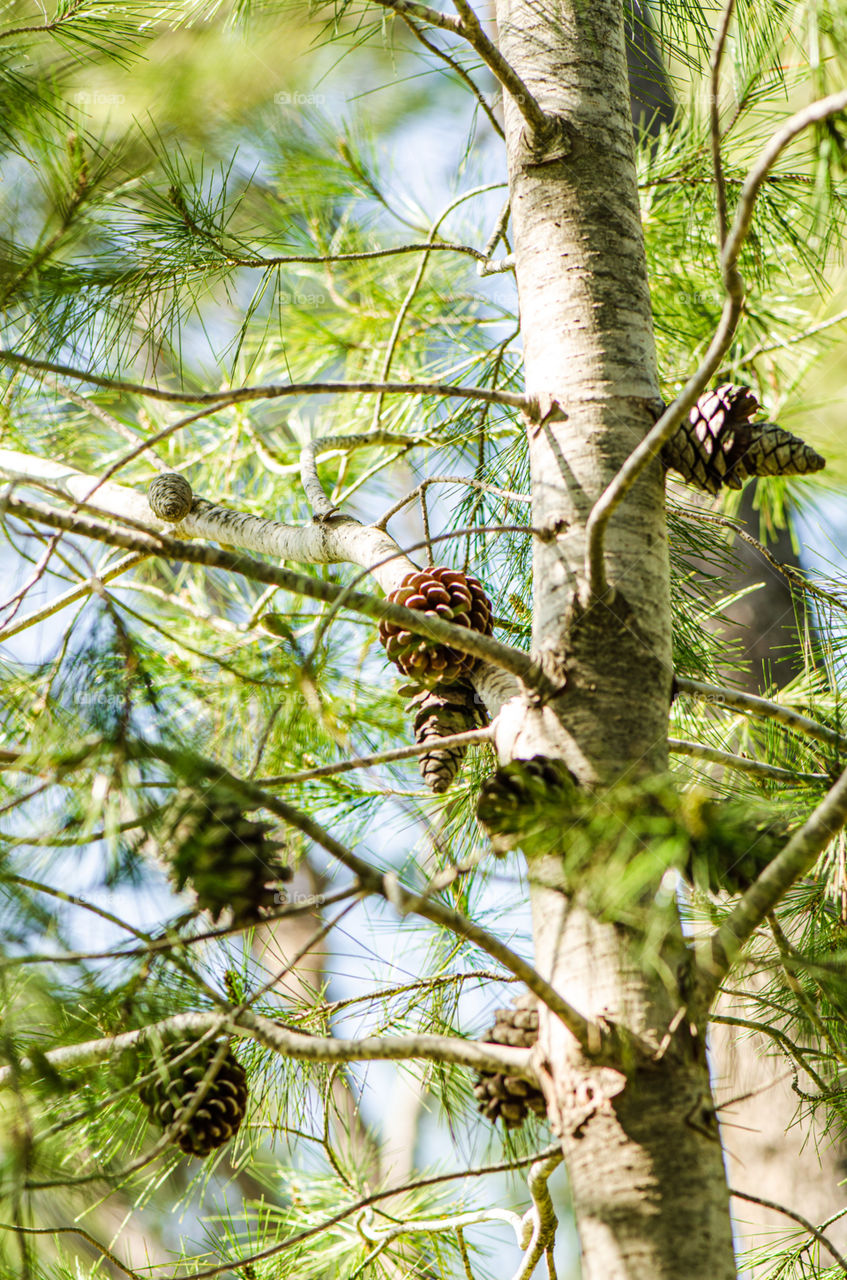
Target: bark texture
[641, 1141]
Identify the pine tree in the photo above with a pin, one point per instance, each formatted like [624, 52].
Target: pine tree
[276, 444]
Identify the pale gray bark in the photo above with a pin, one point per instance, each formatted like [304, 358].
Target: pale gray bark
[643, 1151]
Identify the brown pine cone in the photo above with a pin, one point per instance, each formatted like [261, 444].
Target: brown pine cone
[176, 1077]
[439, 712]
[511, 1098]
[719, 445]
[444, 593]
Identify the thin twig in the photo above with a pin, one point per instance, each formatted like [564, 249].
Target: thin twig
[745, 765]
[469, 738]
[75, 1231]
[403, 310]
[595, 570]
[460, 71]
[75, 593]
[481, 486]
[270, 391]
[762, 348]
[796, 1217]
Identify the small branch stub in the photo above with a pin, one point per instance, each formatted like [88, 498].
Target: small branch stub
[170, 496]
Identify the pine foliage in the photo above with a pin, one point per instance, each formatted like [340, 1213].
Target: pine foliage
[232, 241]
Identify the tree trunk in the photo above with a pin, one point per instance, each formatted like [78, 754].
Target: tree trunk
[642, 1149]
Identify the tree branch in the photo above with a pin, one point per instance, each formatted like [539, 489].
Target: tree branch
[717, 953]
[270, 391]
[470, 737]
[503, 71]
[596, 1042]
[652, 444]
[541, 1218]
[357, 1206]
[745, 765]
[291, 1044]
[754, 705]
[796, 1217]
[460, 71]
[467, 25]
[433, 628]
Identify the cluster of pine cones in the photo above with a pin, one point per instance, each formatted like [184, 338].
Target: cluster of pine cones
[443, 701]
[511, 1098]
[720, 445]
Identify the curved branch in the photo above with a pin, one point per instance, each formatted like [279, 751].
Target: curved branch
[652, 444]
[270, 391]
[315, 493]
[796, 1217]
[541, 1218]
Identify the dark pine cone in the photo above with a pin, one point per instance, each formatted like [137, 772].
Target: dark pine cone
[440, 712]
[444, 593]
[226, 857]
[511, 1098]
[174, 1083]
[522, 798]
[719, 445]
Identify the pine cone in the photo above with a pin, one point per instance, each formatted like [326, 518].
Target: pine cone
[224, 856]
[511, 1098]
[444, 593]
[440, 712]
[523, 798]
[170, 496]
[174, 1083]
[719, 445]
